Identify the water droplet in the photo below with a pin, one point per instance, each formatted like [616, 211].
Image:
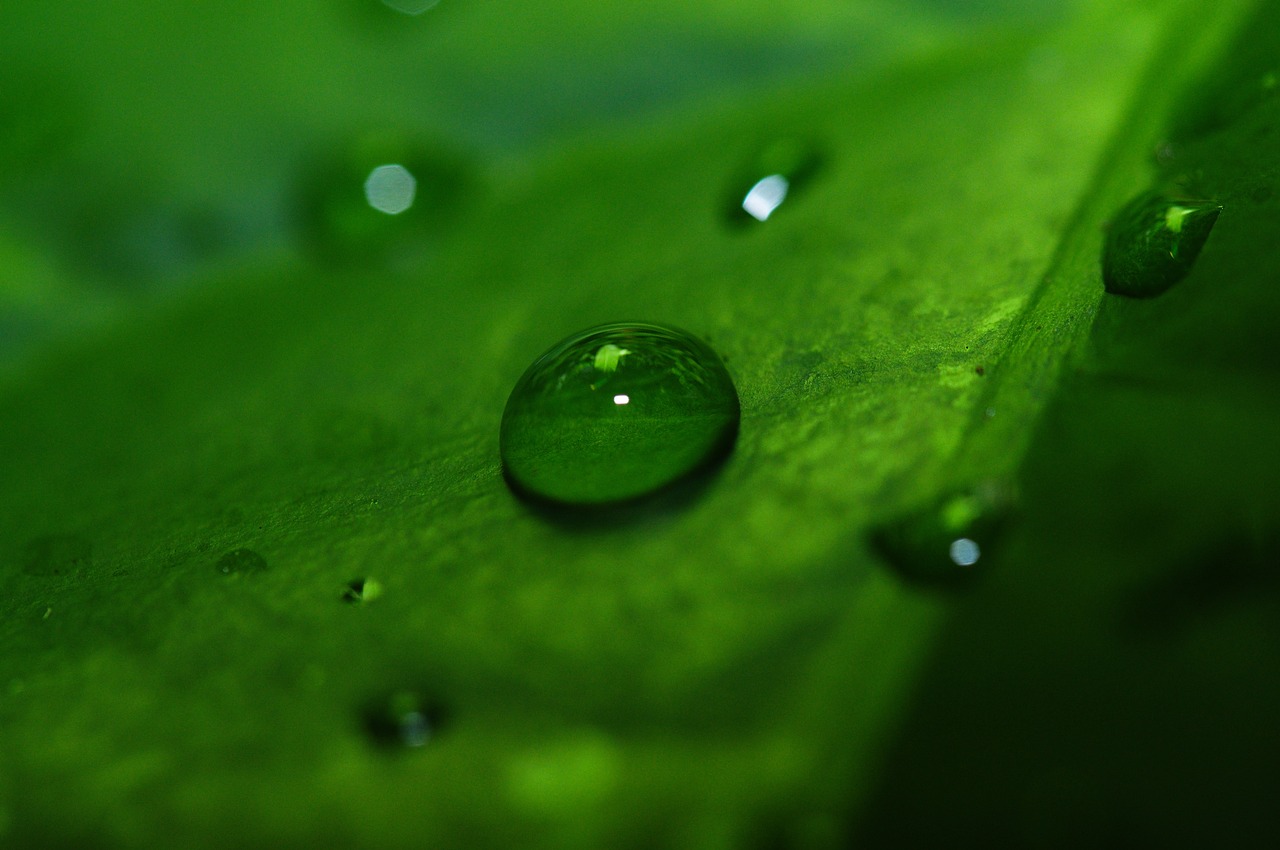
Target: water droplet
[384, 196]
[404, 719]
[241, 561]
[57, 555]
[411, 7]
[943, 543]
[772, 176]
[1153, 242]
[362, 590]
[616, 412]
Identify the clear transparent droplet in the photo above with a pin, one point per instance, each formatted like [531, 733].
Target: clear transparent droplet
[616, 412]
[1153, 242]
[943, 543]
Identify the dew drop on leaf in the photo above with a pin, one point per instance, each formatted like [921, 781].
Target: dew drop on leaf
[241, 561]
[945, 543]
[771, 177]
[1153, 242]
[616, 412]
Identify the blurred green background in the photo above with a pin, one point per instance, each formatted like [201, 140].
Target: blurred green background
[209, 343]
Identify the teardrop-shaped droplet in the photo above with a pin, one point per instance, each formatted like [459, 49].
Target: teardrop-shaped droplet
[945, 543]
[773, 176]
[1153, 242]
[403, 719]
[384, 196]
[616, 412]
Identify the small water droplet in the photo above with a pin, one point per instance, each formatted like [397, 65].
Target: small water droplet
[943, 543]
[616, 412]
[404, 719]
[57, 555]
[362, 590]
[770, 178]
[241, 561]
[384, 196]
[1153, 242]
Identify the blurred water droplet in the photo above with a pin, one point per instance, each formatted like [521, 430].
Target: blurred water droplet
[57, 555]
[362, 590]
[385, 197]
[241, 561]
[615, 412]
[770, 178]
[1153, 242]
[404, 719]
[943, 543]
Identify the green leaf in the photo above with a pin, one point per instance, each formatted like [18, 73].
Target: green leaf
[737, 666]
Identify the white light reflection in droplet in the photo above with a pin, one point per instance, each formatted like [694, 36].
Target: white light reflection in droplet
[410, 7]
[390, 189]
[622, 399]
[766, 196]
[964, 552]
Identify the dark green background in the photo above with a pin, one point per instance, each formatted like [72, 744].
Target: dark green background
[188, 369]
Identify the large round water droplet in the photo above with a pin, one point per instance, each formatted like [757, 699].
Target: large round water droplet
[1153, 242]
[616, 412]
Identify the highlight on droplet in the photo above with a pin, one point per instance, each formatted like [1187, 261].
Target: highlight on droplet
[964, 552]
[766, 196]
[390, 189]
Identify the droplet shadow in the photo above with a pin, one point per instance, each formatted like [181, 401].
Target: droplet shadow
[672, 498]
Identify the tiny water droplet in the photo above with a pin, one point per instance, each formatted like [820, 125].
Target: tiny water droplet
[385, 195]
[57, 555]
[241, 561]
[404, 719]
[616, 412]
[362, 590]
[1153, 242]
[770, 178]
[944, 543]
